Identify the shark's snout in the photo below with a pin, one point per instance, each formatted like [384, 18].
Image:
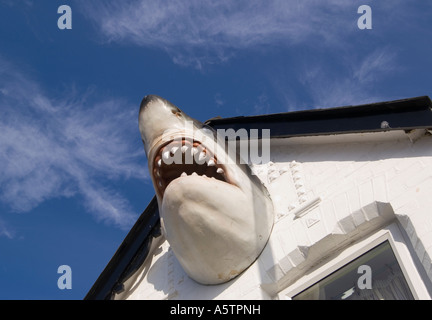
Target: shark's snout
[158, 102]
[157, 115]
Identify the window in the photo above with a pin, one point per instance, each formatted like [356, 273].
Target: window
[382, 266]
[375, 275]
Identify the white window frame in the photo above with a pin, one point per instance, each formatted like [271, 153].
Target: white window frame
[402, 250]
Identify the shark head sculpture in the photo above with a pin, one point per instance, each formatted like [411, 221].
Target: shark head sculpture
[215, 214]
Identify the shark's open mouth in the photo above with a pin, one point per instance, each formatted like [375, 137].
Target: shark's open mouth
[183, 157]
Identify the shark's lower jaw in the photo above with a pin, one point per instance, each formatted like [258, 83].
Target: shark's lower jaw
[183, 157]
[211, 228]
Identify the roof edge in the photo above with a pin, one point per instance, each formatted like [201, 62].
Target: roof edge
[405, 114]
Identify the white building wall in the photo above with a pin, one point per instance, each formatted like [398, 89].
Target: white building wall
[329, 192]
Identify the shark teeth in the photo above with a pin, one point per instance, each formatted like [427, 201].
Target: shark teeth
[202, 156]
[174, 150]
[166, 155]
[183, 158]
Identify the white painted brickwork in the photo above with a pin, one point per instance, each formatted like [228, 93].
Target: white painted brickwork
[329, 192]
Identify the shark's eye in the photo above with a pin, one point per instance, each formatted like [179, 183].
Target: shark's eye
[177, 112]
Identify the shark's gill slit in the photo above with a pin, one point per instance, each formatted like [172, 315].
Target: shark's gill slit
[195, 159]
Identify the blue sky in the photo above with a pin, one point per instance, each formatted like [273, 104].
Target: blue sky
[73, 177]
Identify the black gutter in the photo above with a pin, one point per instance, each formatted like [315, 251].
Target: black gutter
[407, 114]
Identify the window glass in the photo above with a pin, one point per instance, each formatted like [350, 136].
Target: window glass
[375, 275]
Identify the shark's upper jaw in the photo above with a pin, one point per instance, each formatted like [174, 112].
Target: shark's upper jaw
[185, 157]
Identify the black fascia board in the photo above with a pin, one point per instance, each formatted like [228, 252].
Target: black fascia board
[404, 114]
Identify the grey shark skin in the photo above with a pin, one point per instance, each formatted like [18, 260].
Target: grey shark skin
[216, 215]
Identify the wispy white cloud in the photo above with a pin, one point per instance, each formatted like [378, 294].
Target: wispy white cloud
[51, 147]
[379, 62]
[198, 32]
[6, 231]
[203, 32]
[219, 101]
[332, 81]
[261, 105]
[11, 3]
[355, 83]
